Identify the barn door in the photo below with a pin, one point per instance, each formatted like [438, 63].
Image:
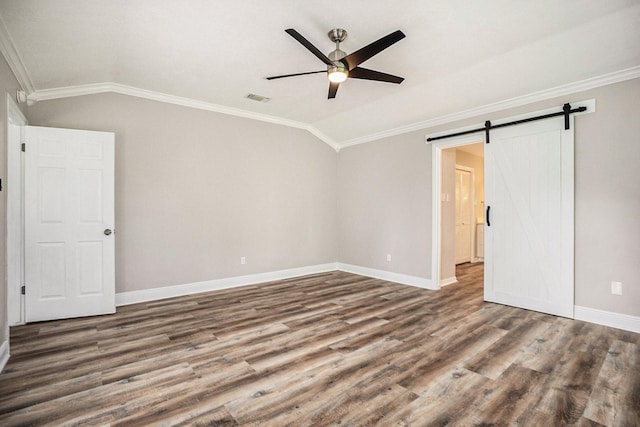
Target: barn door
[69, 221]
[529, 217]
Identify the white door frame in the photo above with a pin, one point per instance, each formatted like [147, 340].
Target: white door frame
[15, 216]
[436, 174]
[436, 213]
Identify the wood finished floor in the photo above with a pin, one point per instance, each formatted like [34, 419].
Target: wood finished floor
[327, 349]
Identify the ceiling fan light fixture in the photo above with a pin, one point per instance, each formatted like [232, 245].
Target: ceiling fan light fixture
[337, 75]
[339, 71]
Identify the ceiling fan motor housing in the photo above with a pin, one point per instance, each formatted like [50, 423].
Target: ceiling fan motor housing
[336, 56]
[337, 35]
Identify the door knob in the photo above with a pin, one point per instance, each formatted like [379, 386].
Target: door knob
[107, 232]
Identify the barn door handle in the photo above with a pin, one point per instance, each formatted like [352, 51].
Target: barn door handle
[488, 218]
[107, 232]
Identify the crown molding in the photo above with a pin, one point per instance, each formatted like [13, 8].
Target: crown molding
[8, 49]
[591, 83]
[89, 89]
[95, 88]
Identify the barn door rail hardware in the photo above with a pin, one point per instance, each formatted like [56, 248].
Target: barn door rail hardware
[566, 111]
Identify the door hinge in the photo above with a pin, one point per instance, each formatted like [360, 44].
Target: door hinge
[23, 290]
[24, 147]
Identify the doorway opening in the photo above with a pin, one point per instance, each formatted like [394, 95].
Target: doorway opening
[452, 157]
[461, 207]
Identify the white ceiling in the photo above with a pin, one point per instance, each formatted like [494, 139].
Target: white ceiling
[458, 54]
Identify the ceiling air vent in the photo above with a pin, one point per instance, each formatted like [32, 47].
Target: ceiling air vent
[258, 98]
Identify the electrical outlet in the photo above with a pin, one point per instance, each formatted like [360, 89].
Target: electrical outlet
[243, 260]
[616, 288]
[388, 257]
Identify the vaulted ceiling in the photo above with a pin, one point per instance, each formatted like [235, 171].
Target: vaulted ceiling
[458, 55]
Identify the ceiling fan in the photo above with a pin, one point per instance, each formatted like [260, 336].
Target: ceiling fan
[341, 66]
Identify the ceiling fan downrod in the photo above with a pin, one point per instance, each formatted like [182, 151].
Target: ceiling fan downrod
[339, 71]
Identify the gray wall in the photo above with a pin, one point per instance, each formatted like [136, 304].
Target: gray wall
[384, 205]
[8, 84]
[608, 200]
[197, 190]
[394, 174]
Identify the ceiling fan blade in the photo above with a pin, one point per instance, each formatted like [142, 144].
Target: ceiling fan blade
[366, 74]
[306, 43]
[359, 56]
[333, 88]
[295, 74]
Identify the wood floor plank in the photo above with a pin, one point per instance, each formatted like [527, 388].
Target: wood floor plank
[442, 401]
[543, 353]
[325, 349]
[615, 399]
[95, 406]
[296, 348]
[505, 351]
[564, 397]
[502, 401]
[219, 417]
[374, 410]
[447, 355]
[44, 392]
[277, 407]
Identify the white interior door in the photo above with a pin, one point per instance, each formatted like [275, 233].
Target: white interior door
[69, 206]
[463, 216]
[529, 226]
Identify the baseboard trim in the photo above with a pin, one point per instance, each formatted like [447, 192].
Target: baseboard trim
[403, 279]
[4, 354]
[607, 318]
[154, 294]
[146, 295]
[448, 281]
